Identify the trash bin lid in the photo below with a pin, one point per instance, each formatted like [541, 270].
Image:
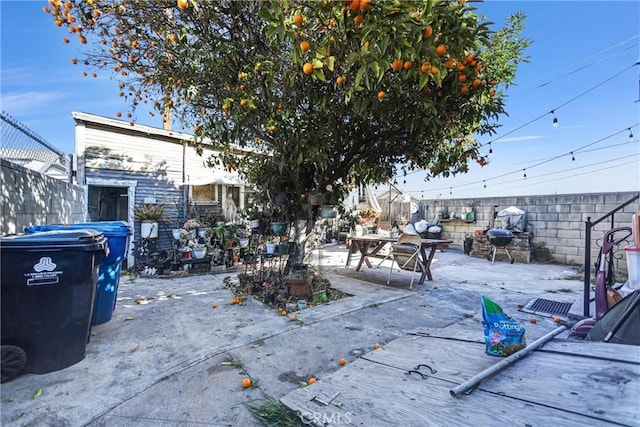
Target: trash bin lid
[86, 239]
[108, 228]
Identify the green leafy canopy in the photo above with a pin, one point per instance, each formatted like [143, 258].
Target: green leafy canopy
[235, 71]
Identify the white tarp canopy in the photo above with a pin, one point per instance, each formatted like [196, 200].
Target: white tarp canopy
[371, 198]
[212, 176]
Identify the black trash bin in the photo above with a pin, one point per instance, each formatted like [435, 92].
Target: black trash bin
[48, 285]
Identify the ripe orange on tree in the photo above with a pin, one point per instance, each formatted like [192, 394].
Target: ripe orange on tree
[407, 65]
[426, 33]
[381, 95]
[305, 46]
[358, 19]
[441, 49]
[396, 65]
[340, 80]
[475, 83]
[307, 68]
[298, 19]
[448, 63]
[183, 4]
[426, 67]
[243, 102]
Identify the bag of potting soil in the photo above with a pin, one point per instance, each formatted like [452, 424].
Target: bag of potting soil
[502, 334]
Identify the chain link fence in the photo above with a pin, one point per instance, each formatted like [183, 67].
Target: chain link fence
[20, 145]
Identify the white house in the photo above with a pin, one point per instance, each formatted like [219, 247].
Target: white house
[123, 165]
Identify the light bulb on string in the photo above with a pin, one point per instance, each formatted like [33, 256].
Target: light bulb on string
[555, 119]
[490, 149]
[573, 158]
[524, 173]
[484, 184]
[450, 192]
[630, 134]
[404, 181]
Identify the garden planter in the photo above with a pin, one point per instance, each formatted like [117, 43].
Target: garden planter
[329, 211]
[255, 223]
[149, 230]
[283, 248]
[299, 287]
[279, 227]
[199, 253]
[271, 248]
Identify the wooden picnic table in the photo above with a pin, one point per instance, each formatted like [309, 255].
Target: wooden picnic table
[370, 245]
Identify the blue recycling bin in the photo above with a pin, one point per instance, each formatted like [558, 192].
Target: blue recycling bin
[117, 234]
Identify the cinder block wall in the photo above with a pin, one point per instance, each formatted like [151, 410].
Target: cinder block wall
[31, 198]
[557, 222]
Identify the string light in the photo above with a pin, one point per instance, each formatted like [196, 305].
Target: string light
[484, 184]
[630, 134]
[450, 192]
[555, 119]
[490, 149]
[524, 173]
[573, 158]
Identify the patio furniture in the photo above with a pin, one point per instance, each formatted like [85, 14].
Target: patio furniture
[369, 246]
[406, 253]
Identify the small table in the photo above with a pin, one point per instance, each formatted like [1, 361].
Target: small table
[365, 245]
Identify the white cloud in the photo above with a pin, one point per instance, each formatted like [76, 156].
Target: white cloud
[520, 138]
[31, 101]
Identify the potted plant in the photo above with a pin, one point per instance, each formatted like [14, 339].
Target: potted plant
[192, 225]
[199, 251]
[270, 247]
[149, 215]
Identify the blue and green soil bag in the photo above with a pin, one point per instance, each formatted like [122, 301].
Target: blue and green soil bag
[502, 334]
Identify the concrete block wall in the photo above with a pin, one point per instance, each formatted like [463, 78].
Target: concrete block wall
[31, 198]
[557, 222]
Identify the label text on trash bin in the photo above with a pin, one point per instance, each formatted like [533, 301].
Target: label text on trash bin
[44, 273]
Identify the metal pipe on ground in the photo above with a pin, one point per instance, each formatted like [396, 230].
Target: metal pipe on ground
[467, 386]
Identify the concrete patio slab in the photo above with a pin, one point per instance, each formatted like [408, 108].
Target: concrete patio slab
[175, 360]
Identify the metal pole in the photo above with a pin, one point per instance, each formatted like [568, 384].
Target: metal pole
[389, 201]
[510, 360]
[586, 297]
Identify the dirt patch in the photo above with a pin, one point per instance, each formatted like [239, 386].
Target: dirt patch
[274, 290]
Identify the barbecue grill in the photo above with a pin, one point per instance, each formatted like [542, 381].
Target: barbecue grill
[499, 238]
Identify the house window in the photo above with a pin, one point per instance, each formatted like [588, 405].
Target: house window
[204, 193]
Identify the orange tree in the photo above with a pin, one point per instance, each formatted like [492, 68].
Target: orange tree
[301, 96]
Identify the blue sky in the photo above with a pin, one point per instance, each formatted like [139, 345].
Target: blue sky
[581, 66]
